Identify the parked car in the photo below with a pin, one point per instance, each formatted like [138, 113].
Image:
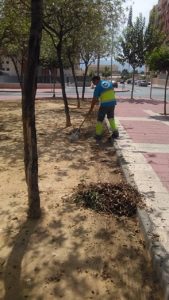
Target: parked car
[115, 83]
[122, 81]
[129, 81]
[136, 82]
[143, 83]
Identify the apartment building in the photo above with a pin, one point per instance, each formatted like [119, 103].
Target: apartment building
[7, 66]
[8, 72]
[163, 12]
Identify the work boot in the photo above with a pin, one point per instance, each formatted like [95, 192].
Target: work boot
[98, 138]
[110, 140]
[115, 134]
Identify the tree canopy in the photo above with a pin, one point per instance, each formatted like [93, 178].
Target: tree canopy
[159, 61]
[14, 31]
[132, 44]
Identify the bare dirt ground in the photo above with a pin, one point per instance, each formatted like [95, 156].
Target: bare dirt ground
[71, 252]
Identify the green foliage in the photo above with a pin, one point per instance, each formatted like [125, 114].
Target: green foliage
[159, 59]
[132, 43]
[130, 17]
[48, 58]
[98, 35]
[91, 73]
[125, 74]
[154, 37]
[84, 27]
[14, 28]
[14, 33]
[63, 16]
[106, 72]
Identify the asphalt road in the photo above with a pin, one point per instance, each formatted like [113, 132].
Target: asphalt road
[144, 92]
[139, 92]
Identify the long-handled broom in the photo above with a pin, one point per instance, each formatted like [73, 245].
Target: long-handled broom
[75, 135]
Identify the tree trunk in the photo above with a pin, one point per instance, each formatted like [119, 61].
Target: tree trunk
[84, 81]
[132, 90]
[54, 82]
[19, 76]
[62, 79]
[98, 65]
[75, 81]
[151, 86]
[151, 89]
[165, 94]
[28, 110]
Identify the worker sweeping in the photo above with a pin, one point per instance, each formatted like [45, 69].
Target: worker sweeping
[104, 93]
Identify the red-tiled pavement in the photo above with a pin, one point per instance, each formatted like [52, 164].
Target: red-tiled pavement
[148, 132]
[135, 108]
[160, 164]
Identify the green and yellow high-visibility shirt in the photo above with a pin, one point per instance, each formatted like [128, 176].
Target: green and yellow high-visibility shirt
[104, 91]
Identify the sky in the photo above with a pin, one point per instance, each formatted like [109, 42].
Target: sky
[141, 6]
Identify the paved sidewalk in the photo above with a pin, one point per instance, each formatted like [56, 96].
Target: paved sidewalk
[143, 147]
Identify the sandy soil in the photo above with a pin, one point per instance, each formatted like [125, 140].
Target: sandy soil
[70, 253]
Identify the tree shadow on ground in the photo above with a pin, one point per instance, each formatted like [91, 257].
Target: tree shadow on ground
[66, 253]
[13, 267]
[140, 101]
[18, 286]
[160, 118]
[52, 136]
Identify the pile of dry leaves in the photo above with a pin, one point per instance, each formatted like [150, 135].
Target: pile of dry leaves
[118, 199]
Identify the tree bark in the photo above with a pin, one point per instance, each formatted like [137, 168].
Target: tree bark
[132, 90]
[28, 110]
[84, 81]
[54, 81]
[76, 86]
[165, 94]
[62, 79]
[151, 86]
[75, 81]
[98, 65]
[19, 76]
